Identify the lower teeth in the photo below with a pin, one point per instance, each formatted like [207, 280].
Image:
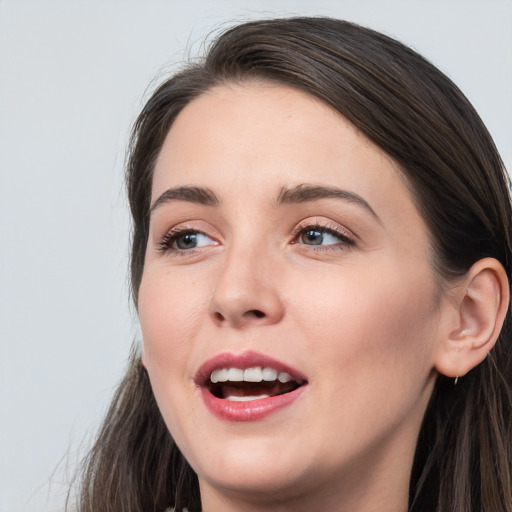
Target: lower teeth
[233, 398]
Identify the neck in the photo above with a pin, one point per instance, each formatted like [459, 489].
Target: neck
[357, 500]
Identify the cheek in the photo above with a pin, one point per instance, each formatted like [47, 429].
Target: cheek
[170, 312]
[371, 327]
[371, 350]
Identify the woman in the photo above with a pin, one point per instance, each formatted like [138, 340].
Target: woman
[320, 262]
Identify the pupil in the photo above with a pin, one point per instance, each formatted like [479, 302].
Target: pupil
[313, 237]
[188, 241]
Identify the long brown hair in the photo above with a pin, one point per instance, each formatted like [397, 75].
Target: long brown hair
[420, 118]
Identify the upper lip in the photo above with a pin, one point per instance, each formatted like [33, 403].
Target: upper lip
[244, 360]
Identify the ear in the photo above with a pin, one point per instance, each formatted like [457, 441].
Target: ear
[478, 311]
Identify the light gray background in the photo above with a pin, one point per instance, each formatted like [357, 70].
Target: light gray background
[72, 78]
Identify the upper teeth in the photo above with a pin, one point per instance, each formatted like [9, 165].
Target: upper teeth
[256, 374]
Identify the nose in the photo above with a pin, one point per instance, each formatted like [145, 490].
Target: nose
[246, 291]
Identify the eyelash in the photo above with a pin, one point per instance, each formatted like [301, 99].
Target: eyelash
[168, 240]
[330, 229]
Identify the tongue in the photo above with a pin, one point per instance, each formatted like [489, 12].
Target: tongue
[254, 391]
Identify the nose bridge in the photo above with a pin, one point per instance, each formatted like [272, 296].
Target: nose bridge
[245, 290]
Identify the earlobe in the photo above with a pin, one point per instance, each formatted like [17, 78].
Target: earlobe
[481, 303]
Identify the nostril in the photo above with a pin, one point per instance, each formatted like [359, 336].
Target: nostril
[256, 312]
[239, 317]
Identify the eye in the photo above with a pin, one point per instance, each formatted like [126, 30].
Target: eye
[326, 236]
[191, 241]
[318, 237]
[184, 240]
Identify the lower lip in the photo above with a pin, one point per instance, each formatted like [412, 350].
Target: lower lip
[249, 411]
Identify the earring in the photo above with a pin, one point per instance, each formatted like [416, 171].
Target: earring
[455, 381]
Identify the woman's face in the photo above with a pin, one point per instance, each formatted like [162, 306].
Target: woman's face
[286, 261]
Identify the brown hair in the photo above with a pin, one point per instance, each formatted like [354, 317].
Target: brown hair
[420, 118]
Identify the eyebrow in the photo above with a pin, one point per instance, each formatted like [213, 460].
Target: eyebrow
[198, 195]
[296, 195]
[307, 193]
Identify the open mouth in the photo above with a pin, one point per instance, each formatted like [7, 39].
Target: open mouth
[248, 386]
[256, 383]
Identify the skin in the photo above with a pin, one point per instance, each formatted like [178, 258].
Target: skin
[364, 320]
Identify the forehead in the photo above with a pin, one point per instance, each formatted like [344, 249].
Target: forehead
[276, 130]
[260, 133]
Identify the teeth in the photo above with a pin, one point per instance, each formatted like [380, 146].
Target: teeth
[235, 375]
[219, 375]
[284, 377]
[269, 374]
[245, 398]
[255, 374]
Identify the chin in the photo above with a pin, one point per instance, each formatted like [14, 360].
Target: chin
[255, 466]
[268, 482]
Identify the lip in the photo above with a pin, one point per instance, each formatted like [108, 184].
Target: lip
[251, 410]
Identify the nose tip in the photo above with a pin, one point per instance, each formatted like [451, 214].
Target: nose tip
[245, 295]
[238, 313]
